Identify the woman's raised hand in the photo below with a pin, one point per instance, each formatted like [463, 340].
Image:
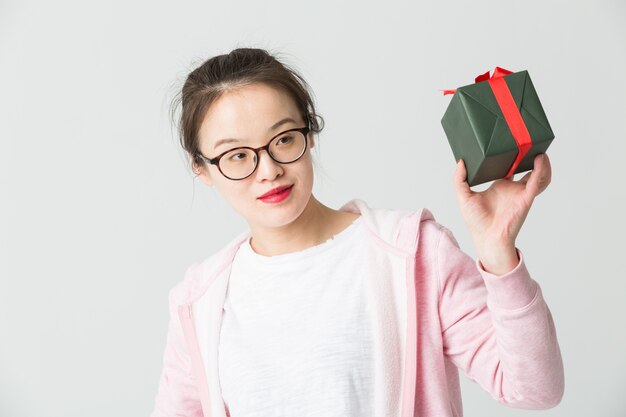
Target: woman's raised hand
[495, 216]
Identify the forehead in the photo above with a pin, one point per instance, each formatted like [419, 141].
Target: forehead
[246, 113]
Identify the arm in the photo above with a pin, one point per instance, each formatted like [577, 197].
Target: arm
[498, 329]
[177, 393]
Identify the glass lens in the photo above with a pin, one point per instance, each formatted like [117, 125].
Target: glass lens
[238, 163]
[288, 147]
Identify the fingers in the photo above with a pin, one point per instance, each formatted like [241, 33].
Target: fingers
[538, 179]
[461, 186]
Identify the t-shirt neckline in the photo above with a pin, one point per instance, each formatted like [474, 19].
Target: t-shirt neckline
[337, 239]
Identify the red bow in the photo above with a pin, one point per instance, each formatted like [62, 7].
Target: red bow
[497, 73]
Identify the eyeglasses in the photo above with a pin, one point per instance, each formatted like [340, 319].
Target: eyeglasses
[240, 163]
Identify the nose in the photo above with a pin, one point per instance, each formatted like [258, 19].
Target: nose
[267, 168]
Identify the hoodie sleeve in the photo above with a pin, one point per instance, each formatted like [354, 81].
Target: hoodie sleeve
[177, 394]
[498, 329]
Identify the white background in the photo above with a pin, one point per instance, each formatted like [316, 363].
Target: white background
[101, 216]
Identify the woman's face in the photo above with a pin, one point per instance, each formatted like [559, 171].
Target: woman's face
[249, 115]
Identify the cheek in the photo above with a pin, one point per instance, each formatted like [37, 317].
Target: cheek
[307, 169]
[232, 191]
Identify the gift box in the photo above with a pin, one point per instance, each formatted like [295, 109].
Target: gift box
[497, 125]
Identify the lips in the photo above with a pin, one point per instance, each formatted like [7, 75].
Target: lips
[276, 190]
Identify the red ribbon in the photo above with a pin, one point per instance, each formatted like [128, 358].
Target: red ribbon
[511, 113]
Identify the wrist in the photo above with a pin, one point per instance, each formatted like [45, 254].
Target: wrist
[498, 259]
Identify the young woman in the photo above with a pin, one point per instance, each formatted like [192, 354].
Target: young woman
[350, 312]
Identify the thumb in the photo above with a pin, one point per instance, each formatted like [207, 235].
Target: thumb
[461, 186]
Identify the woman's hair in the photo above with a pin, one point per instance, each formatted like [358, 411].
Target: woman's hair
[222, 73]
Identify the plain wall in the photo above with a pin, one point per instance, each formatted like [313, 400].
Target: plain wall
[100, 216]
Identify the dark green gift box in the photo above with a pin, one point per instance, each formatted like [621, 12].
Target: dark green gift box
[479, 134]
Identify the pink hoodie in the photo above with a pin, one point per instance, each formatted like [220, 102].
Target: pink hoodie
[436, 311]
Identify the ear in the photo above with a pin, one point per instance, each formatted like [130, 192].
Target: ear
[311, 140]
[203, 173]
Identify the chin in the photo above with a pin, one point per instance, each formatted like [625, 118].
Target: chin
[279, 215]
[279, 218]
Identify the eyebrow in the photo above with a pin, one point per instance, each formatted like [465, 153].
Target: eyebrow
[234, 140]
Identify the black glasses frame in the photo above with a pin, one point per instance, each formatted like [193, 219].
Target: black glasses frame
[216, 160]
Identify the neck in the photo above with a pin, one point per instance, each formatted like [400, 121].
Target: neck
[315, 225]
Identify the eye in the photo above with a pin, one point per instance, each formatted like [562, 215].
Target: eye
[236, 157]
[284, 140]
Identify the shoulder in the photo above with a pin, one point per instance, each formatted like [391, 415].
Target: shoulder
[199, 274]
[397, 228]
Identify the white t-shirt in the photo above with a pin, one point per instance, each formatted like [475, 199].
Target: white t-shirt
[296, 339]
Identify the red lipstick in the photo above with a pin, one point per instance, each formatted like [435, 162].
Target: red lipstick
[276, 195]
